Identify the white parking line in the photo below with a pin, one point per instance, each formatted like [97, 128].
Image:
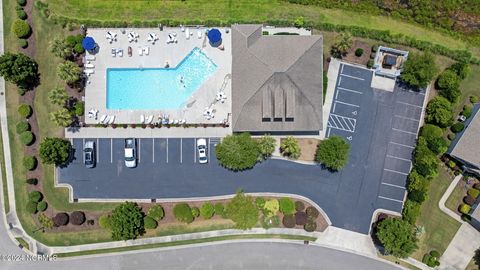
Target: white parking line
[334, 106]
[341, 122]
[153, 150]
[194, 151]
[404, 159]
[341, 71]
[208, 146]
[139, 149]
[392, 185]
[111, 150]
[404, 145]
[336, 95]
[353, 77]
[349, 90]
[328, 132]
[388, 170]
[353, 105]
[390, 199]
[404, 131]
[167, 150]
[409, 104]
[82, 151]
[98, 151]
[339, 80]
[181, 154]
[408, 118]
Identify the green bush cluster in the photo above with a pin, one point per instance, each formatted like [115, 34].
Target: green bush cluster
[32, 181]
[22, 2]
[104, 222]
[42, 206]
[467, 111]
[220, 210]
[21, 28]
[457, 127]
[23, 43]
[333, 153]
[431, 259]
[35, 203]
[207, 210]
[156, 212]
[149, 222]
[289, 148]
[25, 110]
[419, 69]
[195, 212]
[287, 206]
[473, 99]
[397, 237]
[359, 52]
[242, 210]
[183, 213]
[21, 14]
[29, 163]
[464, 208]
[22, 126]
[448, 83]
[439, 112]
[473, 192]
[271, 207]
[27, 137]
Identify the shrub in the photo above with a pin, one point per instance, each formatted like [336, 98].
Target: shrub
[473, 99]
[451, 164]
[19, 69]
[266, 146]
[269, 222]
[417, 196]
[22, 2]
[439, 112]
[429, 260]
[21, 14]
[435, 254]
[312, 212]
[195, 212]
[299, 22]
[42, 206]
[448, 83]
[300, 218]
[473, 192]
[55, 151]
[260, 202]
[25, 110]
[207, 210]
[29, 163]
[374, 48]
[104, 222]
[69, 72]
[79, 108]
[23, 43]
[437, 145]
[32, 181]
[156, 212]
[370, 63]
[237, 152]
[451, 136]
[419, 69]
[287, 206]
[290, 148]
[183, 213]
[359, 52]
[333, 153]
[31, 207]
[469, 200]
[288, 221]
[457, 127]
[242, 210]
[411, 211]
[21, 28]
[45, 221]
[77, 218]
[126, 221]
[310, 226]
[464, 208]
[78, 48]
[397, 237]
[60, 219]
[271, 207]
[417, 182]
[431, 131]
[150, 223]
[299, 206]
[35, 196]
[467, 111]
[220, 210]
[22, 126]
[462, 69]
[27, 137]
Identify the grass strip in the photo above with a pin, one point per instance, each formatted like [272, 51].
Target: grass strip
[23, 242]
[188, 242]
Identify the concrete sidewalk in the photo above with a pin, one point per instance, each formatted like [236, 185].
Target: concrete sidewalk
[462, 248]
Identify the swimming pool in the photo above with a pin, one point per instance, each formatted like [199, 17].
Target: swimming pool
[158, 88]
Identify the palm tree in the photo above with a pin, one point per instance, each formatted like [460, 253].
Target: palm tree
[290, 147]
[62, 117]
[58, 96]
[69, 72]
[60, 48]
[343, 44]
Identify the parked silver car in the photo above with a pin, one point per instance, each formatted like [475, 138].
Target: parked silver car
[89, 154]
[131, 153]
[202, 151]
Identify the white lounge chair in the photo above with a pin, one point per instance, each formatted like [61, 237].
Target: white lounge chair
[149, 119]
[146, 50]
[142, 119]
[112, 119]
[102, 118]
[114, 52]
[88, 71]
[199, 34]
[90, 57]
[120, 52]
[140, 51]
[106, 119]
[187, 33]
[89, 65]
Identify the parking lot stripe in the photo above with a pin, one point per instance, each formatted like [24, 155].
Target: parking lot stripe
[390, 199]
[341, 71]
[153, 150]
[390, 156]
[408, 118]
[404, 145]
[82, 151]
[405, 103]
[353, 77]
[111, 150]
[167, 150]
[349, 90]
[208, 148]
[388, 170]
[139, 149]
[339, 80]
[392, 185]
[404, 131]
[181, 154]
[334, 105]
[195, 151]
[336, 95]
[353, 105]
[98, 152]
[328, 132]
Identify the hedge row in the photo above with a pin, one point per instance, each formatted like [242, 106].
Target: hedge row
[382, 35]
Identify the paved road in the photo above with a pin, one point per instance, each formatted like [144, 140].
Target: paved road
[380, 126]
[253, 255]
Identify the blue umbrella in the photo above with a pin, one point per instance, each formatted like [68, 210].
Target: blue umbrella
[214, 35]
[88, 43]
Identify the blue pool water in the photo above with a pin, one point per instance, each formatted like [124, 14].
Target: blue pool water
[158, 88]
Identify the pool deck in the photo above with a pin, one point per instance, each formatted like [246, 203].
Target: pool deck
[160, 53]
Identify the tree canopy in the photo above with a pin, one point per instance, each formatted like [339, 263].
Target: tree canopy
[19, 69]
[55, 151]
[69, 72]
[419, 69]
[439, 112]
[333, 153]
[242, 210]
[126, 221]
[58, 96]
[397, 237]
[237, 152]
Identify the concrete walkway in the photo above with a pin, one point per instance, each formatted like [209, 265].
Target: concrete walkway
[461, 250]
[441, 203]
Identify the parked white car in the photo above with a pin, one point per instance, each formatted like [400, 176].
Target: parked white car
[202, 151]
[131, 153]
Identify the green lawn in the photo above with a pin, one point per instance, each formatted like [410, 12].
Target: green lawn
[469, 86]
[6, 204]
[189, 242]
[455, 199]
[246, 11]
[439, 227]
[23, 242]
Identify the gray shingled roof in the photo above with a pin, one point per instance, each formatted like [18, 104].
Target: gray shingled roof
[467, 147]
[276, 81]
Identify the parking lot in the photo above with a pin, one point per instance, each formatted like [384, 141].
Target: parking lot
[381, 127]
